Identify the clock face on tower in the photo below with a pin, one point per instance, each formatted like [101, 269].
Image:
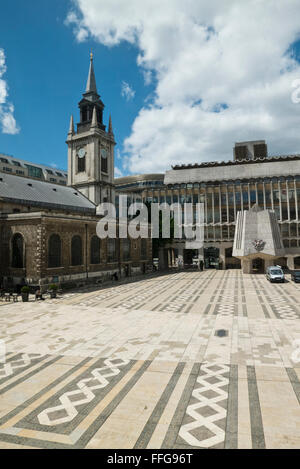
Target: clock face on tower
[81, 152]
[103, 153]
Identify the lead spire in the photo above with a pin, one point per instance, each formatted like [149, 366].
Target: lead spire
[71, 128]
[91, 86]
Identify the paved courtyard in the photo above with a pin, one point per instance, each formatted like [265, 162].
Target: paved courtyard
[185, 360]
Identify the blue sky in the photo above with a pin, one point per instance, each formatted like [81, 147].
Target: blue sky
[46, 74]
[203, 75]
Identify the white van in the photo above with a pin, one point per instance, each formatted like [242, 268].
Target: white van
[275, 274]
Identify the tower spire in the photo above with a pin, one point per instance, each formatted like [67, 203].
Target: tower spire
[71, 129]
[91, 86]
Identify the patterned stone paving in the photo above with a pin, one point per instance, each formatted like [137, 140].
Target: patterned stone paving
[145, 357]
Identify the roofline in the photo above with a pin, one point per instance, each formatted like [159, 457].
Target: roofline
[38, 165]
[135, 177]
[70, 208]
[208, 164]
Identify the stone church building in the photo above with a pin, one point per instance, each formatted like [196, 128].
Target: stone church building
[48, 230]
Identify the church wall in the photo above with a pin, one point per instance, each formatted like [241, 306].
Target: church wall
[37, 229]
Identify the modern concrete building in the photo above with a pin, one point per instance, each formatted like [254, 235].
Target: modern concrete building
[226, 188]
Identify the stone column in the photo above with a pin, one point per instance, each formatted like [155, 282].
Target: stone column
[173, 257]
[227, 204]
[169, 258]
[296, 199]
[180, 258]
[290, 262]
[220, 207]
[223, 257]
[272, 199]
[162, 259]
[288, 199]
[234, 203]
[249, 197]
[280, 205]
[246, 266]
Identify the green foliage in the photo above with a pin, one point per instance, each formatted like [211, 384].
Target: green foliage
[25, 289]
[53, 287]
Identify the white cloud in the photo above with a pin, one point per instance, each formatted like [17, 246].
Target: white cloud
[118, 172]
[7, 120]
[222, 70]
[126, 91]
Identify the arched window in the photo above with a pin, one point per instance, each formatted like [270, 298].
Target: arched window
[95, 250]
[126, 249]
[54, 251]
[76, 250]
[143, 248]
[111, 250]
[17, 251]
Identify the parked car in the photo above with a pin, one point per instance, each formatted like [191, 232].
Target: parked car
[295, 276]
[275, 274]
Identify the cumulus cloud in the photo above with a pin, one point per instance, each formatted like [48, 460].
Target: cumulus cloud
[223, 72]
[7, 120]
[126, 91]
[118, 172]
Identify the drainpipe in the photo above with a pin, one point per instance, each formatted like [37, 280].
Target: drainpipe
[86, 251]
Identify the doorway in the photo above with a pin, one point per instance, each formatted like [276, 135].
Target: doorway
[258, 266]
[211, 258]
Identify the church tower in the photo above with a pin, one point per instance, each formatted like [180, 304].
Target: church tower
[91, 148]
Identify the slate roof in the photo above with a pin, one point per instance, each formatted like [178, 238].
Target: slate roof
[43, 194]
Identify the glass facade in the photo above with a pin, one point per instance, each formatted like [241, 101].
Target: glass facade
[222, 200]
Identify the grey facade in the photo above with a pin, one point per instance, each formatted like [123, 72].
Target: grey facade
[225, 189]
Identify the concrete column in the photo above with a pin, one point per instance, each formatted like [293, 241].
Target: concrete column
[242, 198]
[205, 205]
[296, 199]
[220, 207]
[234, 204]
[173, 257]
[290, 262]
[169, 258]
[246, 266]
[249, 199]
[162, 259]
[288, 199]
[223, 257]
[280, 206]
[180, 258]
[227, 204]
[272, 199]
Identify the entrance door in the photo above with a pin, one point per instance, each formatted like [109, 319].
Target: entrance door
[258, 266]
[190, 258]
[211, 258]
